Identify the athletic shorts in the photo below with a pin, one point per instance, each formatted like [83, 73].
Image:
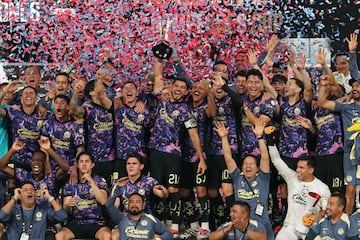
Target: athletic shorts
[165, 167]
[351, 172]
[84, 230]
[329, 169]
[189, 176]
[217, 171]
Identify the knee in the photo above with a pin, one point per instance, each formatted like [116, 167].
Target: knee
[213, 193]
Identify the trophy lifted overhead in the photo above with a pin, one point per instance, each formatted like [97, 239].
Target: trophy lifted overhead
[162, 48]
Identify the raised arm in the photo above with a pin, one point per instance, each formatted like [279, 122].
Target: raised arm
[253, 62]
[320, 58]
[45, 145]
[11, 88]
[265, 159]
[352, 44]
[158, 81]
[303, 75]
[223, 133]
[322, 97]
[74, 107]
[16, 146]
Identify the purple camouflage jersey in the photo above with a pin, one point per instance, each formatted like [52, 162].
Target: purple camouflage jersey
[293, 142]
[199, 114]
[65, 138]
[87, 209]
[259, 106]
[172, 119]
[329, 134]
[99, 135]
[131, 131]
[47, 183]
[143, 185]
[224, 113]
[25, 128]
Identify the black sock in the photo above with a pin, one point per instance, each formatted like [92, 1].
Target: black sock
[204, 209]
[175, 207]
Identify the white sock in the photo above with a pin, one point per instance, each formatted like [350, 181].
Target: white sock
[175, 226]
[195, 225]
[205, 225]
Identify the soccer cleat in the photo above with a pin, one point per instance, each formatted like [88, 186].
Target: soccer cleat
[203, 234]
[189, 233]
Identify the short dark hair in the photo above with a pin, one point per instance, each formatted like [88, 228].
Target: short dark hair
[40, 152]
[257, 159]
[341, 198]
[241, 73]
[182, 80]
[243, 204]
[63, 74]
[299, 83]
[84, 153]
[279, 78]
[62, 96]
[136, 193]
[89, 88]
[129, 82]
[27, 182]
[310, 161]
[254, 72]
[27, 86]
[135, 155]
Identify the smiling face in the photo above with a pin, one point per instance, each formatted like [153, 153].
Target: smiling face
[136, 205]
[255, 86]
[179, 90]
[342, 64]
[333, 207]
[291, 88]
[240, 83]
[28, 97]
[37, 164]
[27, 195]
[199, 92]
[61, 84]
[304, 171]
[356, 90]
[249, 167]
[129, 93]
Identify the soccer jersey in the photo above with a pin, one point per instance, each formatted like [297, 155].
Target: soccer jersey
[236, 234]
[4, 135]
[224, 113]
[87, 209]
[329, 134]
[99, 132]
[48, 182]
[65, 137]
[253, 192]
[341, 230]
[143, 186]
[293, 140]
[355, 221]
[199, 114]
[299, 199]
[172, 119]
[39, 217]
[144, 228]
[259, 106]
[132, 129]
[25, 128]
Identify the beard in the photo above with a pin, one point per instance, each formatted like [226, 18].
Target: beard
[136, 211]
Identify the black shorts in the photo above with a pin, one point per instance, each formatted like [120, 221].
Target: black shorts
[84, 230]
[330, 170]
[165, 167]
[189, 176]
[217, 171]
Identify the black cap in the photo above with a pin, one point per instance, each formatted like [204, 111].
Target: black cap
[351, 81]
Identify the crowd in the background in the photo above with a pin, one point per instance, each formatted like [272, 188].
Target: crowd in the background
[274, 156]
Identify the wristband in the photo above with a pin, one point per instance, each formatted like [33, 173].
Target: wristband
[14, 199]
[51, 199]
[259, 138]
[224, 232]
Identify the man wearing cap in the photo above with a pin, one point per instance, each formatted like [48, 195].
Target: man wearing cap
[350, 113]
